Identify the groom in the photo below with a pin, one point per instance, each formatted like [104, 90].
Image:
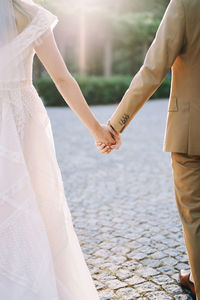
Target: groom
[176, 45]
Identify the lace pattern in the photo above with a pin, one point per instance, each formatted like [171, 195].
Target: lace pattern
[24, 100]
[24, 103]
[13, 156]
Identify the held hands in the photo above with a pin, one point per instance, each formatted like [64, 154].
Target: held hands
[107, 139]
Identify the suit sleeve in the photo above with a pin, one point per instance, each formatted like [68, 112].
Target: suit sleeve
[166, 46]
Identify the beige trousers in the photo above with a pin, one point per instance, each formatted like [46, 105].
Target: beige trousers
[186, 174]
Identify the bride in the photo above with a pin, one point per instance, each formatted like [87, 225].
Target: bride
[40, 256]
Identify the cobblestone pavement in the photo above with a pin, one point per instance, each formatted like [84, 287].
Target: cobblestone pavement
[123, 205]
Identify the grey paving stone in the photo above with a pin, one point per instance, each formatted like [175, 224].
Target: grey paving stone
[116, 284]
[170, 261]
[162, 279]
[120, 250]
[131, 265]
[183, 266]
[173, 289]
[135, 280]
[106, 294]
[158, 254]
[128, 293]
[146, 287]
[170, 270]
[151, 262]
[106, 245]
[104, 277]
[183, 297]
[117, 259]
[124, 274]
[136, 255]
[171, 251]
[147, 250]
[102, 253]
[147, 271]
[158, 296]
[99, 285]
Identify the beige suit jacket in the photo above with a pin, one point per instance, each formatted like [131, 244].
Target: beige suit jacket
[176, 45]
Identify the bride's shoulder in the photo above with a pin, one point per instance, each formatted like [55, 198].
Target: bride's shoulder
[24, 13]
[21, 20]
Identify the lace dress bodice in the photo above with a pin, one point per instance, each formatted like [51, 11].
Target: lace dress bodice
[20, 94]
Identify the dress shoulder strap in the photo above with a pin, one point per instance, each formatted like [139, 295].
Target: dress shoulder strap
[41, 22]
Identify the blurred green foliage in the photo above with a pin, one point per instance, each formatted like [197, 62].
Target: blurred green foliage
[118, 32]
[96, 89]
[117, 36]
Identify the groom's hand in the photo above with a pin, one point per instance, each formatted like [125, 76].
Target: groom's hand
[117, 137]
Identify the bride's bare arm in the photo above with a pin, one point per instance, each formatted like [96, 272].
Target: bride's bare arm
[50, 56]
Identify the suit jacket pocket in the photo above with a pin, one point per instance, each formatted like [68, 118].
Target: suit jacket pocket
[173, 106]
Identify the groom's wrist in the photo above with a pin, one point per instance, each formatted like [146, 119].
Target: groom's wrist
[110, 125]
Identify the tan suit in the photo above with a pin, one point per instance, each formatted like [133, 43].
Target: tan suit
[176, 45]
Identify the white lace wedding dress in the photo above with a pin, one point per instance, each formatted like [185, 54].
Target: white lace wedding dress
[40, 256]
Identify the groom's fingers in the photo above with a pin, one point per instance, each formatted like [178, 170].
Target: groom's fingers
[117, 145]
[114, 133]
[117, 138]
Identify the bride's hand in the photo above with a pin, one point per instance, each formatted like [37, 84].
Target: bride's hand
[106, 148]
[105, 136]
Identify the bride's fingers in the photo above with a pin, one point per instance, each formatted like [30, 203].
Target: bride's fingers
[110, 150]
[105, 150]
[101, 146]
